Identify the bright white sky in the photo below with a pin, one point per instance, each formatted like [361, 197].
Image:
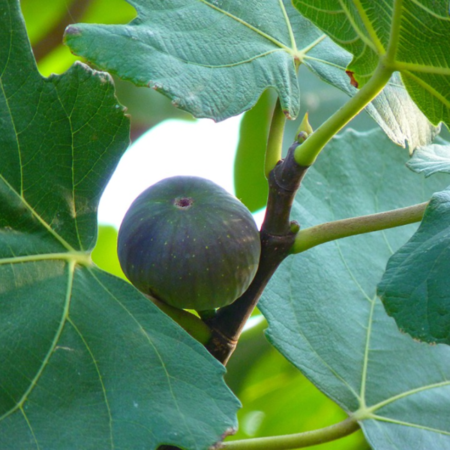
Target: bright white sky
[174, 147]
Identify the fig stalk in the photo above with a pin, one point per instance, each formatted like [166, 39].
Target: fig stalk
[277, 238]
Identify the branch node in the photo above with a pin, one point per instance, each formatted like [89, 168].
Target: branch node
[277, 235]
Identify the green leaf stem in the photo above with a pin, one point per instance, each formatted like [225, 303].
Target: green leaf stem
[409, 36]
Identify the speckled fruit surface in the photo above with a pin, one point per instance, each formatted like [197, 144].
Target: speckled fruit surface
[188, 242]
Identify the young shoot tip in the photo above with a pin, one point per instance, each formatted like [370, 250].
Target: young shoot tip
[304, 129]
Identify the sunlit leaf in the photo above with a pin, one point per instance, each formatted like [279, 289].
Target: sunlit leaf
[393, 110]
[234, 52]
[416, 32]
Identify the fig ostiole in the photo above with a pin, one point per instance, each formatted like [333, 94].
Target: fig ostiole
[189, 243]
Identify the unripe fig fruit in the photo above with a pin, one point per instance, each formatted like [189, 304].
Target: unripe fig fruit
[189, 243]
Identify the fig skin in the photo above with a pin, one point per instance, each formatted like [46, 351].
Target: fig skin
[189, 243]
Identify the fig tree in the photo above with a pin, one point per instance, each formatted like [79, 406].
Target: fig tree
[189, 243]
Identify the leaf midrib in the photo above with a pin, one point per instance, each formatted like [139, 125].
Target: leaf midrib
[61, 240]
[409, 424]
[82, 258]
[19, 152]
[155, 349]
[97, 369]
[34, 381]
[251, 27]
[374, 43]
[367, 412]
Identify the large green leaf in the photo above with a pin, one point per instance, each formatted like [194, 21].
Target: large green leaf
[86, 361]
[277, 398]
[415, 288]
[212, 58]
[323, 312]
[174, 47]
[418, 32]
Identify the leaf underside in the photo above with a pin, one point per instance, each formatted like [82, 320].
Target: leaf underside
[215, 59]
[322, 308]
[421, 37]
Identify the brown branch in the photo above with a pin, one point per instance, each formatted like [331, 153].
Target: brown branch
[277, 237]
[54, 35]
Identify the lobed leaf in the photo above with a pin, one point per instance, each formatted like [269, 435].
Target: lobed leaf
[323, 312]
[87, 361]
[215, 58]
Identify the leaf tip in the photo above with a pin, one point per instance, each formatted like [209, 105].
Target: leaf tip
[287, 114]
[228, 432]
[72, 30]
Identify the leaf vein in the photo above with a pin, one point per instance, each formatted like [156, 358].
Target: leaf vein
[428, 88]
[409, 424]
[38, 217]
[251, 27]
[407, 394]
[100, 378]
[155, 349]
[33, 383]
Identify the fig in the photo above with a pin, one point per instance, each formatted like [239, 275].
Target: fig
[189, 243]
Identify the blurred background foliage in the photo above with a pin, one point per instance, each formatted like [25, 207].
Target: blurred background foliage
[276, 397]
